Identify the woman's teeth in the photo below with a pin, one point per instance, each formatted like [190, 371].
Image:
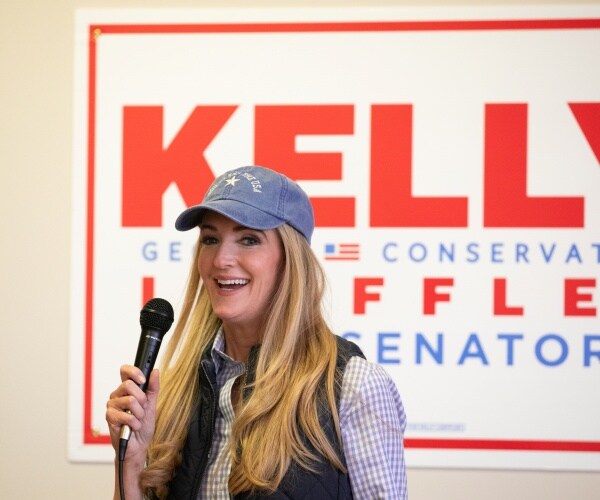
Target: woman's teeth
[232, 283]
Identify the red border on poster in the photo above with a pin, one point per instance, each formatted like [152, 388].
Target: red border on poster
[90, 436]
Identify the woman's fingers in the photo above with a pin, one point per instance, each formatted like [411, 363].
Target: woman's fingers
[128, 404]
[130, 372]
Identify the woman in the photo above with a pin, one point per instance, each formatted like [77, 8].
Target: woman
[259, 399]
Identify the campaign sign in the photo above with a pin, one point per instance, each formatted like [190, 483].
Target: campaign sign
[452, 158]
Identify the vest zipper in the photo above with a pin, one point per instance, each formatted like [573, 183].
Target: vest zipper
[202, 465]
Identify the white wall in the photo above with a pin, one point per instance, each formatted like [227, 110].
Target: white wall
[36, 87]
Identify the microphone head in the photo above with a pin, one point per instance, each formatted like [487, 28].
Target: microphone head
[157, 314]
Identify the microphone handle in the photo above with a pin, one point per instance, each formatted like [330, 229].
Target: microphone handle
[147, 352]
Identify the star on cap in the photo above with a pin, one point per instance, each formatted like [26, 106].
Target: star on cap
[231, 181]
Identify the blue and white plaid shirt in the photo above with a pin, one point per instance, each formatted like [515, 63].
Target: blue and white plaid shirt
[372, 421]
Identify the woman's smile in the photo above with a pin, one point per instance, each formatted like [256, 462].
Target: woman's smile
[232, 284]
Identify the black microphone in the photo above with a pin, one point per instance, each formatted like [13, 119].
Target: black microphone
[156, 317]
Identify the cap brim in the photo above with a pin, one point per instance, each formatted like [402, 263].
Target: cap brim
[241, 213]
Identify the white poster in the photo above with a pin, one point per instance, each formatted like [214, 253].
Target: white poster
[452, 157]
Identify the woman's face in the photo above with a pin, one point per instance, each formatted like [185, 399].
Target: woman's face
[240, 268]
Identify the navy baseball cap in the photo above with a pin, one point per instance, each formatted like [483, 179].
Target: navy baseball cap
[255, 197]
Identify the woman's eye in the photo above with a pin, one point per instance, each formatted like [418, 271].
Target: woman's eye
[250, 240]
[208, 240]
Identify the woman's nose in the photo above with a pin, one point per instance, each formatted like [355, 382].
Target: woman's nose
[225, 256]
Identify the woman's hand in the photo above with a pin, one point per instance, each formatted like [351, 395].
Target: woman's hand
[129, 405]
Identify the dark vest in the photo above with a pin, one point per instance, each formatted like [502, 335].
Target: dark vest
[298, 483]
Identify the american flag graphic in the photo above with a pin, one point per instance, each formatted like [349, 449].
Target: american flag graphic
[342, 251]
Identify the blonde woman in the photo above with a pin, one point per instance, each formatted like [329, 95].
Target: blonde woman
[258, 398]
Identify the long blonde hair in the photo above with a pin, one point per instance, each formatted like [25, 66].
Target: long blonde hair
[297, 360]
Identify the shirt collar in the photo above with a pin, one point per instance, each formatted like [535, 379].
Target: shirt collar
[217, 352]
